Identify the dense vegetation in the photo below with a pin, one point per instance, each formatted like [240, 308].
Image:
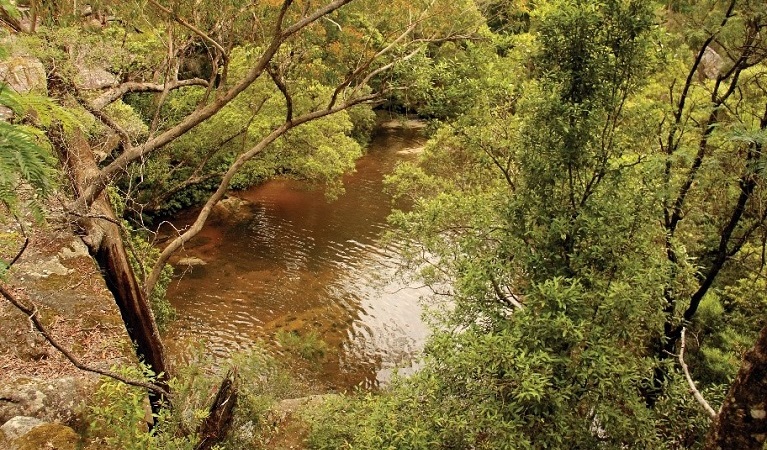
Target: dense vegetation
[592, 194]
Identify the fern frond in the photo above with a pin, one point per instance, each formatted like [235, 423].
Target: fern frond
[23, 159]
[10, 98]
[47, 111]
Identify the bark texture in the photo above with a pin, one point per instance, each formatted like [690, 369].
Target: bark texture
[742, 420]
[101, 233]
[215, 427]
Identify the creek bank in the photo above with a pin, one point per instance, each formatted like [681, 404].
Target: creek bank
[57, 274]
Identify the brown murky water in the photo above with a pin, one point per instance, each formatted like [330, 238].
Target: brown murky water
[290, 260]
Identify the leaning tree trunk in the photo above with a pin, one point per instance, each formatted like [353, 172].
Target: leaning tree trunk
[101, 233]
[742, 421]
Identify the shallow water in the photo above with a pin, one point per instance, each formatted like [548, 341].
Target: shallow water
[290, 260]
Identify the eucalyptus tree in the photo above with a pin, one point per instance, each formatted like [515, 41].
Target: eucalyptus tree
[544, 238]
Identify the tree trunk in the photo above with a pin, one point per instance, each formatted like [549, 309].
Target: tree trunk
[215, 427]
[742, 420]
[103, 237]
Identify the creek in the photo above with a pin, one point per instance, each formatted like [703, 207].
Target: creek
[286, 260]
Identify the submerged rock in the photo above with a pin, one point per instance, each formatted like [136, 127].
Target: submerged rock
[191, 261]
[231, 209]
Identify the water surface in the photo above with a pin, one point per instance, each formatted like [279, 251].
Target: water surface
[289, 260]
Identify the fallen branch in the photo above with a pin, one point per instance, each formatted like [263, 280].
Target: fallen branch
[32, 314]
[695, 392]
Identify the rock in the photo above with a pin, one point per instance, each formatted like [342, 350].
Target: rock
[46, 268]
[284, 409]
[60, 400]
[24, 74]
[95, 78]
[412, 150]
[47, 436]
[230, 209]
[711, 64]
[6, 113]
[191, 261]
[36, 348]
[75, 249]
[19, 426]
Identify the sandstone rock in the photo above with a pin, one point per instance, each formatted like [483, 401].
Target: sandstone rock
[75, 249]
[95, 78]
[191, 261]
[47, 436]
[711, 64]
[59, 400]
[6, 113]
[284, 409]
[46, 268]
[19, 426]
[230, 209]
[24, 74]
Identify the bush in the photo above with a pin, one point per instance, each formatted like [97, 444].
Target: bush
[118, 414]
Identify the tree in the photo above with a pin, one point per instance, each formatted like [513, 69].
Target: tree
[741, 422]
[713, 133]
[563, 185]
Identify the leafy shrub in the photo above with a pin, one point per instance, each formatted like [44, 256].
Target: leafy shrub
[118, 413]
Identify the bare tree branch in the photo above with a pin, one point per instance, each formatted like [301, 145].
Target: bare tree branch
[695, 392]
[276, 76]
[116, 93]
[190, 27]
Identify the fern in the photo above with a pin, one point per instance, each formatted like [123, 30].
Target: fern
[22, 159]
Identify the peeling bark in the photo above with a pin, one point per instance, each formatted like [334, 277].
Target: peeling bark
[101, 233]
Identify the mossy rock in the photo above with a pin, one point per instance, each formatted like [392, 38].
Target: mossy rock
[49, 435]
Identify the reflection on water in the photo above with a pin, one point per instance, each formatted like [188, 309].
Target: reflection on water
[287, 259]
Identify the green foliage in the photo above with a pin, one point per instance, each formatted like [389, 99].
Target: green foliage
[25, 153]
[10, 9]
[118, 412]
[319, 151]
[143, 257]
[22, 158]
[537, 212]
[560, 372]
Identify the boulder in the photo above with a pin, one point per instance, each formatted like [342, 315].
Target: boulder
[94, 78]
[24, 74]
[191, 261]
[231, 209]
[59, 400]
[41, 435]
[19, 426]
[710, 64]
